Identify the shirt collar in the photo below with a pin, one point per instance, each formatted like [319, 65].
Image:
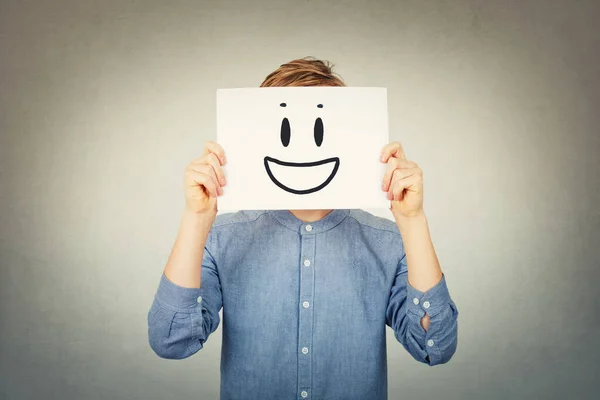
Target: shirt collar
[331, 220]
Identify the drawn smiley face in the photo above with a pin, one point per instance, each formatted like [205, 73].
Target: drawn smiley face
[328, 167]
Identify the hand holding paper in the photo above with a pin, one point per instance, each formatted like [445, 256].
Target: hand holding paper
[204, 179]
[403, 181]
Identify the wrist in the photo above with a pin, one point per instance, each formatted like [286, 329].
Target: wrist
[203, 219]
[405, 222]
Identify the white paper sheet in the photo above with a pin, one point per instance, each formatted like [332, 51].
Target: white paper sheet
[327, 159]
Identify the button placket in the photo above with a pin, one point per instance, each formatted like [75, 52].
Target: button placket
[305, 323]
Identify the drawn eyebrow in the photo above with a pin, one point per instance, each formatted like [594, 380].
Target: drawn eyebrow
[320, 105]
[283, 105]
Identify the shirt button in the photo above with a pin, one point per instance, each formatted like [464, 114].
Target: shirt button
[416, 301]
[430, 343]
[426, 304]
[199, 299]
[308, 228]
[307, 263]
[304, 394]
[305, 350]
[305, 304]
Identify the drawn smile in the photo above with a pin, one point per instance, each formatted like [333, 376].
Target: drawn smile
[313, 176]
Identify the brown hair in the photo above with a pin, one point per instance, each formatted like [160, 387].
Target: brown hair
[307, 71]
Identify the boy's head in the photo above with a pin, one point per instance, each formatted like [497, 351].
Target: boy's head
[306, 71]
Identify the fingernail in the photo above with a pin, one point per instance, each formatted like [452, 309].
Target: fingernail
[220, 191]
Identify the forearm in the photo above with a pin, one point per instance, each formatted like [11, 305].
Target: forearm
[424, 270]
[185, 261]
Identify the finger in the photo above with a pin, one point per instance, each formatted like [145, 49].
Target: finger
[403, 163]
[401, 186]
[393, 149]
[393, 165]
[395, 174]
[388, 150]
[213, 160]
[213, 147]
[402, 173]
[205, 181]
[208, 170]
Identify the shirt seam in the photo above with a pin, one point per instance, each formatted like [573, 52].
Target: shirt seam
[210, 240]
[281, 223]
[393, 232]
[226, 223]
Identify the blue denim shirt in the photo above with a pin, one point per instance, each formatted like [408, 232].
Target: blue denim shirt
[305, 306]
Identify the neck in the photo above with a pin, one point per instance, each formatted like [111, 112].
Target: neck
[310, 215]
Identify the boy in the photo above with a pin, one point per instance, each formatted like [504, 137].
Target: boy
[306, 294]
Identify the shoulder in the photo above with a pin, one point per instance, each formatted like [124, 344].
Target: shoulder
[370, 221]
[380, 236]
[234, 228]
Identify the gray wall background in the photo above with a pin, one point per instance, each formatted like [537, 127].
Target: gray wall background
[103, 103]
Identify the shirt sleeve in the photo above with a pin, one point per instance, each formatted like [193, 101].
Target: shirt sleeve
[408, 305]
[181, 319]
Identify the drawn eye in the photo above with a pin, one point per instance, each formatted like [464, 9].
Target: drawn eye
[319, 132]
[285, 132]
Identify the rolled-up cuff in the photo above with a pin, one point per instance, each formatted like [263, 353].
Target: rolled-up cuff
[432, 302]
[178, 298]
